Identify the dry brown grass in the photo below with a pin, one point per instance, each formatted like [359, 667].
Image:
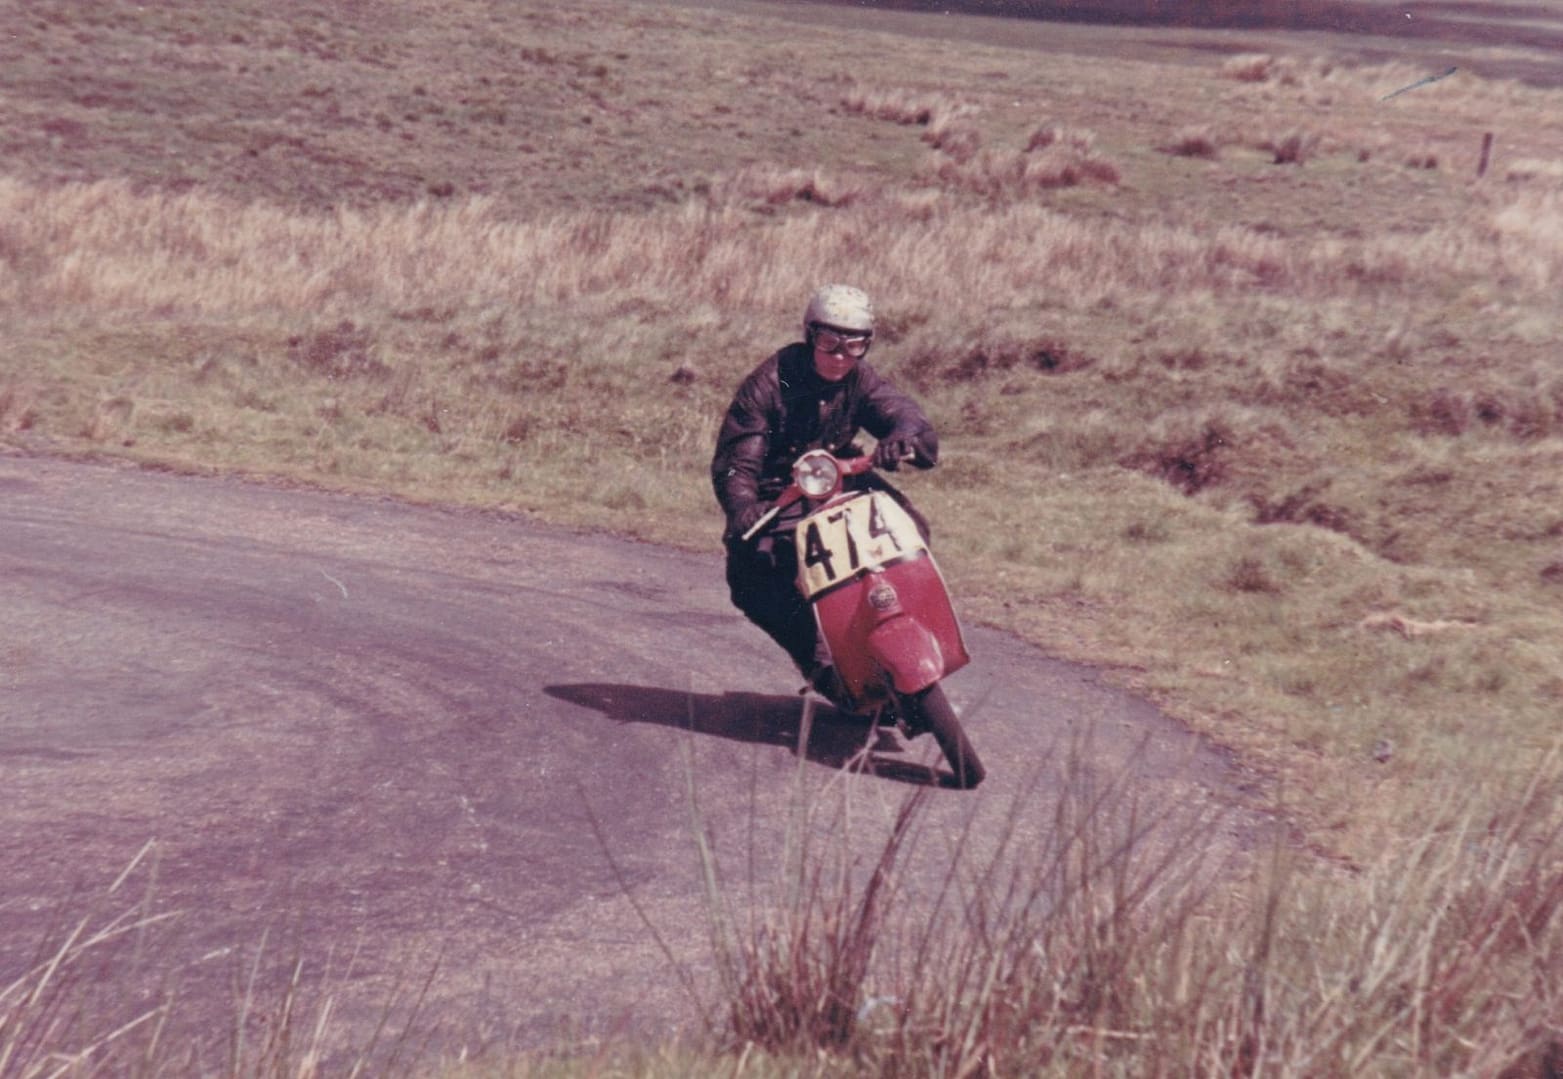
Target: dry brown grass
[95, 1001]
[104, 248]
[1104, 943]
[932, 111]
[1195, 141]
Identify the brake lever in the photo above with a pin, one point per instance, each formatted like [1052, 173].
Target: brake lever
[754, 529]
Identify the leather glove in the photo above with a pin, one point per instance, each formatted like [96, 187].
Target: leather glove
[745, 518]
[892, 450]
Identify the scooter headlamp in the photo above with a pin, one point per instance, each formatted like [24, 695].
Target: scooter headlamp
[817, 474]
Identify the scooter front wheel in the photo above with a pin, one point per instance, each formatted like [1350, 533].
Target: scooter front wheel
[931, 712]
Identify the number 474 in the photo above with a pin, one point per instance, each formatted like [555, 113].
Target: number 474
[817, 553]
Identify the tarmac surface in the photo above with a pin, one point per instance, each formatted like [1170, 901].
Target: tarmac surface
[445, 768]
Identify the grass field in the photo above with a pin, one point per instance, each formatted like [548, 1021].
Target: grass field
[1248, 381]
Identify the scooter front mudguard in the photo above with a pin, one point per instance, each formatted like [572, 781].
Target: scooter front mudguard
[908, 652]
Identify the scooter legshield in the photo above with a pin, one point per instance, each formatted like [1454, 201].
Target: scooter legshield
[913, 642]
[880, 602]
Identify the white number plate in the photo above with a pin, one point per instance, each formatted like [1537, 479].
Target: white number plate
[853, 537]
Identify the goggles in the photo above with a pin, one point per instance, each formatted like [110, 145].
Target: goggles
[827, 339]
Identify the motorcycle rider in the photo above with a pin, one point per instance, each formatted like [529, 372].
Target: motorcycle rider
[813, 394]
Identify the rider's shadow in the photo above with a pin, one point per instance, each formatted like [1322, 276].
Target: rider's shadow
[836, 739]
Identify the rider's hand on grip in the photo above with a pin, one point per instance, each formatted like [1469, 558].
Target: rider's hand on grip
[892, 451]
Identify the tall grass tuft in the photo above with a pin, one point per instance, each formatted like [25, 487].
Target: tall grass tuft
[771, 185]
[94, 1002]
[53, 1023]
[1250, 67]
[1100, 935]
[998, 174]
[1199, 141]
[955, 136]
[18, 409]
[796, 981]
[904, 106]
[1294, 147]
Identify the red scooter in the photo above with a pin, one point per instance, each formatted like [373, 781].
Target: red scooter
[880, 603]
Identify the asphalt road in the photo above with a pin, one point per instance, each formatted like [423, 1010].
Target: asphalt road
[443, 755]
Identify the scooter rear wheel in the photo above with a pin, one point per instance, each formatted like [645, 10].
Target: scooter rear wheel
[931, 712]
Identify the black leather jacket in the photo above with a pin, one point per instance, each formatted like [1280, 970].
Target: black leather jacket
[784, 408]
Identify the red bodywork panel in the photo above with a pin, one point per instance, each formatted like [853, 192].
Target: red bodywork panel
[913, 642]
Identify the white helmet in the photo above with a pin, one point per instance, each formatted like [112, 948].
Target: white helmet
[841, 307]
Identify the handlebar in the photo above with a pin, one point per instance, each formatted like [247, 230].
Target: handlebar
[849, 466]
